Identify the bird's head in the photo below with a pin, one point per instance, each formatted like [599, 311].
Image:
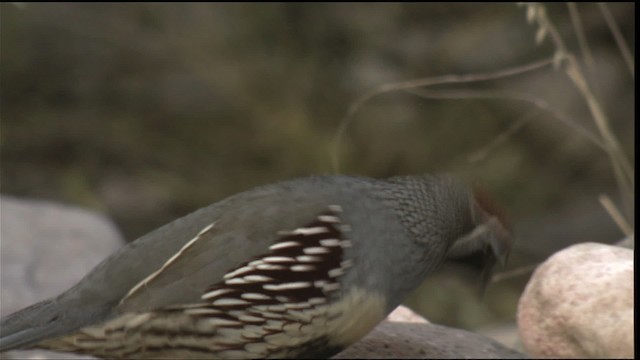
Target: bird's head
[489, 240]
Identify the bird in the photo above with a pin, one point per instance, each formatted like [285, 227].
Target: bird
[300, 268]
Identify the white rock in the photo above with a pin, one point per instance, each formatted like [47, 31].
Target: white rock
[404, 314]
[579, 303]
[45, 249]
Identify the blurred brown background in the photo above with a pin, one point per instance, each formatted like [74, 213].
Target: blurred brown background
[146, 112]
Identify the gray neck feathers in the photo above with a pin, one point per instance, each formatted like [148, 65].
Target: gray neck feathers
[430, 207]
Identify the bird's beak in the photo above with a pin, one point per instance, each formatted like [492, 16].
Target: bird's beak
[487, 244]
[499, 240]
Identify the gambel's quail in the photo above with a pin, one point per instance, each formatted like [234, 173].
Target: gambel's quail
[301, 268]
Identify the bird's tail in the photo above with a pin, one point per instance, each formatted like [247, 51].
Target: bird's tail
[47, 319]
[28, 326]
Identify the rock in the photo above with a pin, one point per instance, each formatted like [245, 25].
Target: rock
[506, 334]
[579, 303]
[404, 314]
[46, 248]
[397, 340]
[399, 337]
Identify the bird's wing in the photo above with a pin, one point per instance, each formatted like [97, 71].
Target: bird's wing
[240, 223]
[280, 302]
[238, 232]
[195, 260]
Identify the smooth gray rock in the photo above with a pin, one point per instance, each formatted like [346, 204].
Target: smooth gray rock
[401, 340]
[505, 333]
[45, 249]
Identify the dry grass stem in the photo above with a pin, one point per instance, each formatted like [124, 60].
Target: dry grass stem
[523, 270]
[585, 50]
[619, 38]
[615, 214]
[415, 83]
[504, 95]
[622, 168]
[514, 127]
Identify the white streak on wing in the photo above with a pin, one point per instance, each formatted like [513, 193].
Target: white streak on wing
[236, 281]
[238, 271]
[256, 262]
[201, 311]
[345, 243]
[346, 263]
[257, 278]
[187, 306]
[270, 267]
[287, 286]
[335, 208]
[229, 302]
[303, 268]
[310, 231]
[315, 250]
[297, 306]
[283, 245]
[336, 272]
[214, 293]
[277, 259]
[266, 311]
[329, 218]
[306, 258]
[317, 301]
[255, 296]
[277, 308]
[330, 242]
[171, 260]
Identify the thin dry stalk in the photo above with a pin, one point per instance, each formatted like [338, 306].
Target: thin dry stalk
[583, 43]
[622, 168]
[415, 83]
[485, 151]
[619, 38]
[540, 103]
[523, 270]
[615, 214]
[580, 34]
